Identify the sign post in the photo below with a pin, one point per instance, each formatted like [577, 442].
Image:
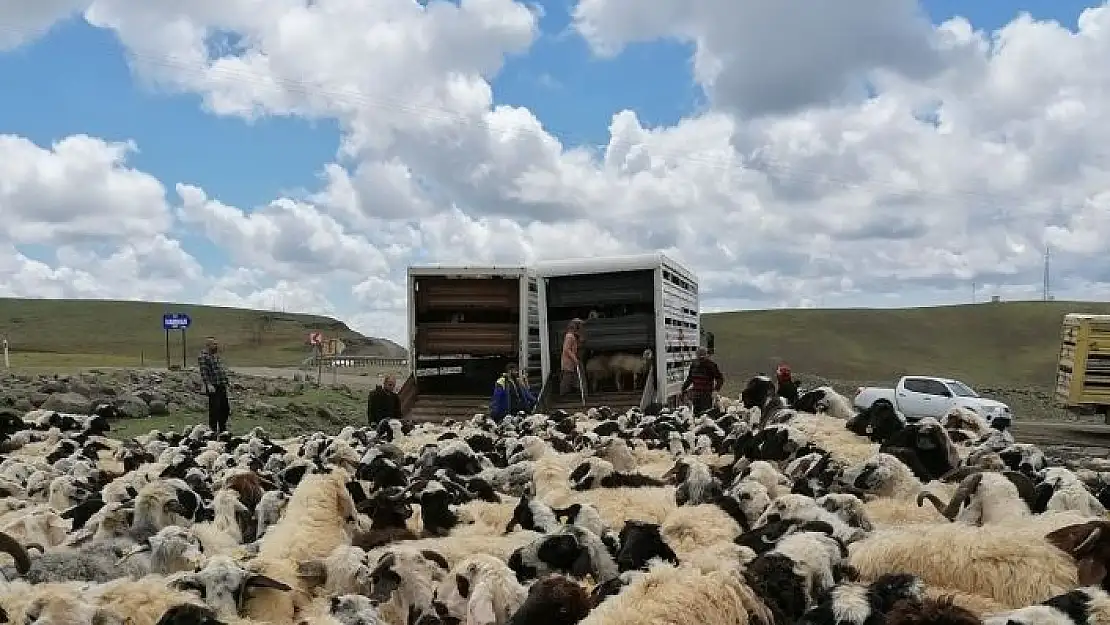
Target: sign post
[316, 339]
[7, 361]
[181, 323]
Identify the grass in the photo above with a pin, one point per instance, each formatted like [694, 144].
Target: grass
[75, 334]
[299, 413]
[1010, 344]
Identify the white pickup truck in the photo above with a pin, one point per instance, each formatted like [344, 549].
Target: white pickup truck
[918, 396]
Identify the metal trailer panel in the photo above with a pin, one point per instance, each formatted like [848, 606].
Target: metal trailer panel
[606, 333]
[683, 333]
[467, 271]
[611, 264]
[531, 336]
[679, 326]
[461, 272]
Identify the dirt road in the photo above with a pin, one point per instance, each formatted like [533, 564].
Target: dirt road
[355, 378]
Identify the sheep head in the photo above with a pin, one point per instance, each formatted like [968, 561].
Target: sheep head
[678, 473]
[354, 609]
[225, 585]
[1089, 544]
[553, 599]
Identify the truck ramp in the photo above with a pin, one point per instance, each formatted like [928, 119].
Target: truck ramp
[439, 408]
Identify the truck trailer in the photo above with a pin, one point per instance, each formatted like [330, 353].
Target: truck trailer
[1083, 370]
[466, 324]
[628, 304]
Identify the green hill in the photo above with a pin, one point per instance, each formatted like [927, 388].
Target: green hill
[85, 333]
[1008, 344]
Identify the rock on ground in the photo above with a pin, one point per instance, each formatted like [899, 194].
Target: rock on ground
[142, 393]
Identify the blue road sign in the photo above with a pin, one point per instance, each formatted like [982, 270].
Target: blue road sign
[175, 321]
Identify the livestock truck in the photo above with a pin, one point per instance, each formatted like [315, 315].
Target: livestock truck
[1083, 369]
[465, 325]
[628, 304]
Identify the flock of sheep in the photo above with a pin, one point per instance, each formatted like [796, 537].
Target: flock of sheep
[753, 512]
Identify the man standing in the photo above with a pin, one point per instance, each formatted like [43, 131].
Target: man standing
[568, 375]
[214, 376]
[510, 395]
[703, 380]
[383, 402]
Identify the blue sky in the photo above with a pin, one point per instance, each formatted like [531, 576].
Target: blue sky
[76, 79]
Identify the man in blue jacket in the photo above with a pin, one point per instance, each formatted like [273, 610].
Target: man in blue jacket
[510, 395]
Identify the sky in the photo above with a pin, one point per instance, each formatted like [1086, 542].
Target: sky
[299, 155]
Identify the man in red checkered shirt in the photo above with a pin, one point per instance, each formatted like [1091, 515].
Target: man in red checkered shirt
[703, 380]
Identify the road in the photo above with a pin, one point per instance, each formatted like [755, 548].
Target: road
[355, 378]
[1036, 432]
[1062, 433]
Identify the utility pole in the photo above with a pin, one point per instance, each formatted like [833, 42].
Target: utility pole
[1046, 288]
[974, 292]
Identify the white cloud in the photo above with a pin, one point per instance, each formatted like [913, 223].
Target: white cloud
[79, 189]
[794, 188]
[21, 22]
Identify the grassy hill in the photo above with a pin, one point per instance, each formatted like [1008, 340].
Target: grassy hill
[1008, 344]
[85, 333]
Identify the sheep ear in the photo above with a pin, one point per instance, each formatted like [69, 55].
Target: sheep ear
[313, 571]
[1076, 540]
[265, 581]
[479, 609]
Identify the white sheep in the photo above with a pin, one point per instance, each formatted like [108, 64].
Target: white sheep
[598, 371]
[623, 365]
[480, 590]
[1069, 493]
[682, 596]
[982, 499]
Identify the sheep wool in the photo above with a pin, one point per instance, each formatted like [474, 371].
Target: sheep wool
[682, 596]
[1006, 566]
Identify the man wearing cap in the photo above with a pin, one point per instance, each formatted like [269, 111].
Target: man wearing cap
[787, 388]
[703, 381]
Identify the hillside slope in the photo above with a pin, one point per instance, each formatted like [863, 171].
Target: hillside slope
[45, 332]
[1009, 344]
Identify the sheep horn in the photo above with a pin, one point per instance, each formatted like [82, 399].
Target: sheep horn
[1025, 488]
[264, 581]
[1092, 537]
[12, 547]
[258, 581]
[671, 472]
[962, 494]
[924, 496]
[959, 473]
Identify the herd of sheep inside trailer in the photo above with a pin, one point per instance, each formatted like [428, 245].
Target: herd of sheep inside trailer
[753, 512]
